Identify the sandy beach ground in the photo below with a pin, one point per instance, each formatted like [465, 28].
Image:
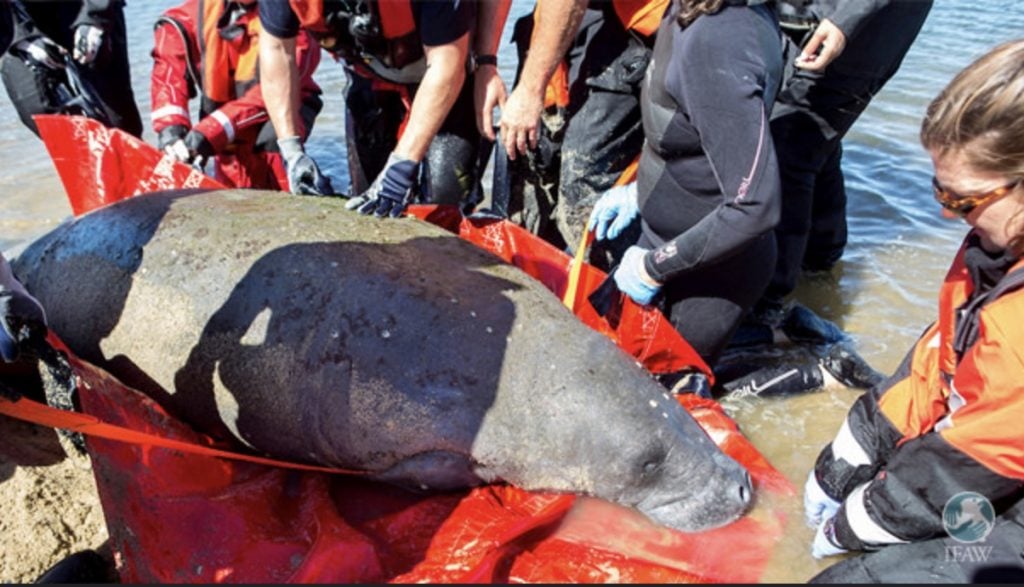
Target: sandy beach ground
[50, 505]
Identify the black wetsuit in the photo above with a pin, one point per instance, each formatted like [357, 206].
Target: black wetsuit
[708, 182]
[813, 113]
[31, 89]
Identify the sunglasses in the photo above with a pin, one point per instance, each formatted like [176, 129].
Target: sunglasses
[963, 205]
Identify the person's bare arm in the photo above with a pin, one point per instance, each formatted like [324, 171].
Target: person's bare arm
[446, 72]
[489, 90]
[279, 80]
[555, 26]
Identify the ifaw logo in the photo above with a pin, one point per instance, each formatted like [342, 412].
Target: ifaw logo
[968, 518]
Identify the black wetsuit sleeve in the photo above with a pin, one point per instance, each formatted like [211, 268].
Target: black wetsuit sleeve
[724, 89]
[97, 13]
[440, 22]
[6, 27]
[24, 27]
[278, 19]
[850, 15]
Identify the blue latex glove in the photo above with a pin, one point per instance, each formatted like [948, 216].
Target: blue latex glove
[389, 194]
[21, 316]
[614, 210]
[632, 279]
[304, 177]
[818, 505]
[824, 540]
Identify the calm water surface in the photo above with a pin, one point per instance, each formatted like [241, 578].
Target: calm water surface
[883, 292]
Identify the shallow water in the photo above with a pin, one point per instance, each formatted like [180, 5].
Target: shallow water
[882, 293]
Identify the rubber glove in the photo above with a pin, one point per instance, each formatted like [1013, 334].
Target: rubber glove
[41, 52]
[199, 149]
[389, 193]
[632, 279]
[818, 505]
[88, 40]
[614, 210]
[825, 540]
[170, 141]
[21, 317]
[304, 177]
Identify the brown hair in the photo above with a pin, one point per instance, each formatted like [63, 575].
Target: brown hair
[689, 10]
[981, 113]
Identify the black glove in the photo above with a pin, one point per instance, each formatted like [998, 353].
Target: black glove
[170, 135]
[40, 52]
[22, 319]
[199, 149]
[304, 177]
[389, 194]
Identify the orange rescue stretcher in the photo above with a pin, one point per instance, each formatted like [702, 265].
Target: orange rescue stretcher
[176, 515]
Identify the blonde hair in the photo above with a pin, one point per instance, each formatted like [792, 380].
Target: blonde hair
[981, 114]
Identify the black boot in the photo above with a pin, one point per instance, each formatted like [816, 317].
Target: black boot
[848, 367]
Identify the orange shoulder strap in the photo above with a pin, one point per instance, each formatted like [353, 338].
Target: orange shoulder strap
[44, 415]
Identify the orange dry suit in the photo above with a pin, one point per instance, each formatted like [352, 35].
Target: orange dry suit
[948, 421]
[213, 46]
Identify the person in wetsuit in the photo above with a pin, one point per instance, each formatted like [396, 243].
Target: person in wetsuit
[855, 48]
[930, 464]
[707, 191]
[87, 36]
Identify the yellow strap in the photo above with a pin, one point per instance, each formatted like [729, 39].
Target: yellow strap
[575, 269]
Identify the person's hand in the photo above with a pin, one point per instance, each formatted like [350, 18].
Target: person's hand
[825, 540]
[304, 177]
[488, 93]
[199, 148]
[632, 279]
[40, 51]
[170, 140]
[88, 40]
[827, 43]
[613, 212]
[818, 505]
[389, 194]
[520, 121]
[21, 317]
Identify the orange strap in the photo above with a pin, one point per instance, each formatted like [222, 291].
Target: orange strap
[42, 414]
[571, 290]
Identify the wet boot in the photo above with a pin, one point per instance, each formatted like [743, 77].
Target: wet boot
[848, 367]
[781, 381]
[802, 325]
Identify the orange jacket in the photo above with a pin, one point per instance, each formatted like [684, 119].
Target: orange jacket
[947, 422]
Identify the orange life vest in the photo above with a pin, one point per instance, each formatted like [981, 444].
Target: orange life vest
[239, 56]
[379, 35]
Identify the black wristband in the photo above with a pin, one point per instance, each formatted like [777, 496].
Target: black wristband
[479, 60]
